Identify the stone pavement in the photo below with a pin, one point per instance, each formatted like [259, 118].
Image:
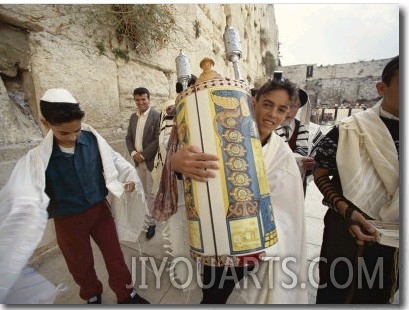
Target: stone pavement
[52, 265]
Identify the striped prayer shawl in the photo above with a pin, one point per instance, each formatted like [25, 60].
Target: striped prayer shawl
[301, 144]
[315, 140]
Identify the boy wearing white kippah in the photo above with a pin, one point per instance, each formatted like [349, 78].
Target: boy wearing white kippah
[68, 178]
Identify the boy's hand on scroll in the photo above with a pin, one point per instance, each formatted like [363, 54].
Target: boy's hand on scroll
[193, 163]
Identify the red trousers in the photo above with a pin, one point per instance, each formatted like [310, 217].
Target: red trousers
[73, 237]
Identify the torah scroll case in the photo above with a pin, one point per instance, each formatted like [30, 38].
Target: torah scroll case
[230, 218]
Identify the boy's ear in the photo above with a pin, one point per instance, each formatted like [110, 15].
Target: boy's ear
[380, 87]
[253, 103]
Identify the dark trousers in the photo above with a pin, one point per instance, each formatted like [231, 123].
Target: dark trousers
[340, 250]
[73, 237]
[223, 284]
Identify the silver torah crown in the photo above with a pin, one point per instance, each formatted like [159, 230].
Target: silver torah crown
[233, 49]
[182, 69]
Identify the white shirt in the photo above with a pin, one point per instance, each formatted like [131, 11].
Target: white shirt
[140, 126]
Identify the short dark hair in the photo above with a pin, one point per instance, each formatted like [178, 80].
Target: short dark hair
[303, 96]
[192, 80]
[389, 70]
[275, 84]
[60, 112]
[141, 91]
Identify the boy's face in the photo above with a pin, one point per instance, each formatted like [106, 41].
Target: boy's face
[270, 110]
[65, 133]
[142, 102]
[171, 110]
[390, 94]
[292, 111]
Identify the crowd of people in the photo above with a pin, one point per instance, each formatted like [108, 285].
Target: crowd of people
[75, 178]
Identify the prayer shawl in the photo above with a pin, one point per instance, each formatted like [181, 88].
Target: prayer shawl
[300, 146]
[164, 134]
[301, 140]
[288, 204]
[23, 205]
[368, 165]
[166, 201]
[315, 136]
[287, 197]
[304, 113]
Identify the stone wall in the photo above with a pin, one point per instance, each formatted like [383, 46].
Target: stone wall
[45, 46]
[349, 83]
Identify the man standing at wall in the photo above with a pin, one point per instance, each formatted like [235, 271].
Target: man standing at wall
[296, 134]
[142, 141]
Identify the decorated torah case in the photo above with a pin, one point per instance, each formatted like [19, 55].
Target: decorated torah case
[230, 218]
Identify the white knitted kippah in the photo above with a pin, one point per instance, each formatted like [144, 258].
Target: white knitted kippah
[58, 95]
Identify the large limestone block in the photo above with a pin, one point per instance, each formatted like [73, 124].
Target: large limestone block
[134, 75]
[16, 126]
[13, 50]
[91, 78]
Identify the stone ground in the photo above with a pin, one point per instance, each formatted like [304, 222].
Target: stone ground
[52, 266]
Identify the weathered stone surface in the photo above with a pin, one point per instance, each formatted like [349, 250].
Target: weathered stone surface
[14, 50]
[340, 83]
[52, 45]
[61, 51]
[27, 18]
[56, 46]
[16, 125]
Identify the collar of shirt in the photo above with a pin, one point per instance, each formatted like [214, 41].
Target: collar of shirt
[144, 114]
[57, 151]
[388, 115]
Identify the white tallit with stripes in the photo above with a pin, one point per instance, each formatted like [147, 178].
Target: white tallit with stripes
[368, 165]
